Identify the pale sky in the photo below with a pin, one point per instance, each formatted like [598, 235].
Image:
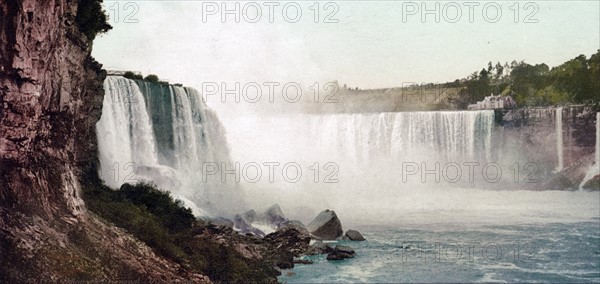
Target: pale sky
[370, 46]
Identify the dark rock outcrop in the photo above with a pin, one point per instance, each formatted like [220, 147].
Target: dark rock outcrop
[353, 235]
[534, 134]
[289, 239]
[250, 216]
[50, 99]
[274, 216]
[318, 247]
[592, 184]
[220, 221]
[294, 224]
[245, 228]
[341, 252]
[326, 226]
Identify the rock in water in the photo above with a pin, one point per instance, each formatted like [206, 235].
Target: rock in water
[250, 216]
[274, 216]
[246, 228]
[341, 252]
[354, 235]
[289, 239]
[294, 224]
[318, 247]
[326, 226]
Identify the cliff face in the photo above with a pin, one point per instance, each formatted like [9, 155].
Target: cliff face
[50, 99]
[535, 131]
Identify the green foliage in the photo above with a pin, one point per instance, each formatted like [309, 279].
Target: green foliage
[131, 75]
[154, 217]
[91, 18]
[575, 81]
[152, 78]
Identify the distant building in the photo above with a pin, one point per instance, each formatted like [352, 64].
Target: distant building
[494, 102]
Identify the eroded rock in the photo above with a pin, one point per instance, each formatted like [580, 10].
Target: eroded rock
[341, 252]
[353, 235]
[326, 226]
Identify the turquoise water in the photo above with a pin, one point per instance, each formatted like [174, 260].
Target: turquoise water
[554, 252]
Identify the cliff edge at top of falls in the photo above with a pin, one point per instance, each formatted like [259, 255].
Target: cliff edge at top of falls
[50, 99]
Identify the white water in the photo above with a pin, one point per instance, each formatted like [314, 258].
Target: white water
[167, 133]
[594, 170]
[370, 149]
[121, 117]
[128, 134]
[559, 139]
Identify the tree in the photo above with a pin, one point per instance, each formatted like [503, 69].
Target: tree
[152, 78]
[91, 18]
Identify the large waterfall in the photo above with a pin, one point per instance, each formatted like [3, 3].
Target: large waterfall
[163, 134]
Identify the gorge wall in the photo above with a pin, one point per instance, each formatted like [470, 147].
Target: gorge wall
[562, 140]
[51, 94]
[50, 99]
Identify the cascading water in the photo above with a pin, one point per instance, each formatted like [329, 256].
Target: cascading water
[163, 134]
[465, 134]
[594, 170]
[559, 139]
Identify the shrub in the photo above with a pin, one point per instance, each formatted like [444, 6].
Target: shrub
[151, 78]
[91, 18]
[154, 217]
[131, 75]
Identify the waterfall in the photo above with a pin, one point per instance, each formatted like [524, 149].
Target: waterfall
[594, 170]
[598, 143]
[454, 135]
[559, 139]
[363, 138]
[163, 134]
[124, 131]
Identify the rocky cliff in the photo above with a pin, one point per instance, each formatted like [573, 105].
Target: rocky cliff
[50, 99]
[536, 134]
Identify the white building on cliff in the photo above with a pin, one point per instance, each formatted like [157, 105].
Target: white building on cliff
[494, 102]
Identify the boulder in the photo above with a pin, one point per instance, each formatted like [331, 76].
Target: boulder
[220, 221]
[318, 247]
[341, 252]
[353, 235]
[281, 258]
[245, 228]
[250, 216]
[326, 226]
[274, 216]
[303, 261]
[294, 224]
[289, 239]
[592, 184]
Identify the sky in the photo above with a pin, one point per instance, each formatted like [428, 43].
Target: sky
[365, 44]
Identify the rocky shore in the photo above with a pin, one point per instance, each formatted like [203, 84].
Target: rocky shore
[289, 241]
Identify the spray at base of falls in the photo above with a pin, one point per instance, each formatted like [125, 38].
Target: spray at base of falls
[163, 134]
[594, 170]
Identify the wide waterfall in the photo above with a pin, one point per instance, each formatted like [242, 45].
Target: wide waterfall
[163, 134]
[361, 156]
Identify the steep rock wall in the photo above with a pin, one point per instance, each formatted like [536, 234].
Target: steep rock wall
[50, 99]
